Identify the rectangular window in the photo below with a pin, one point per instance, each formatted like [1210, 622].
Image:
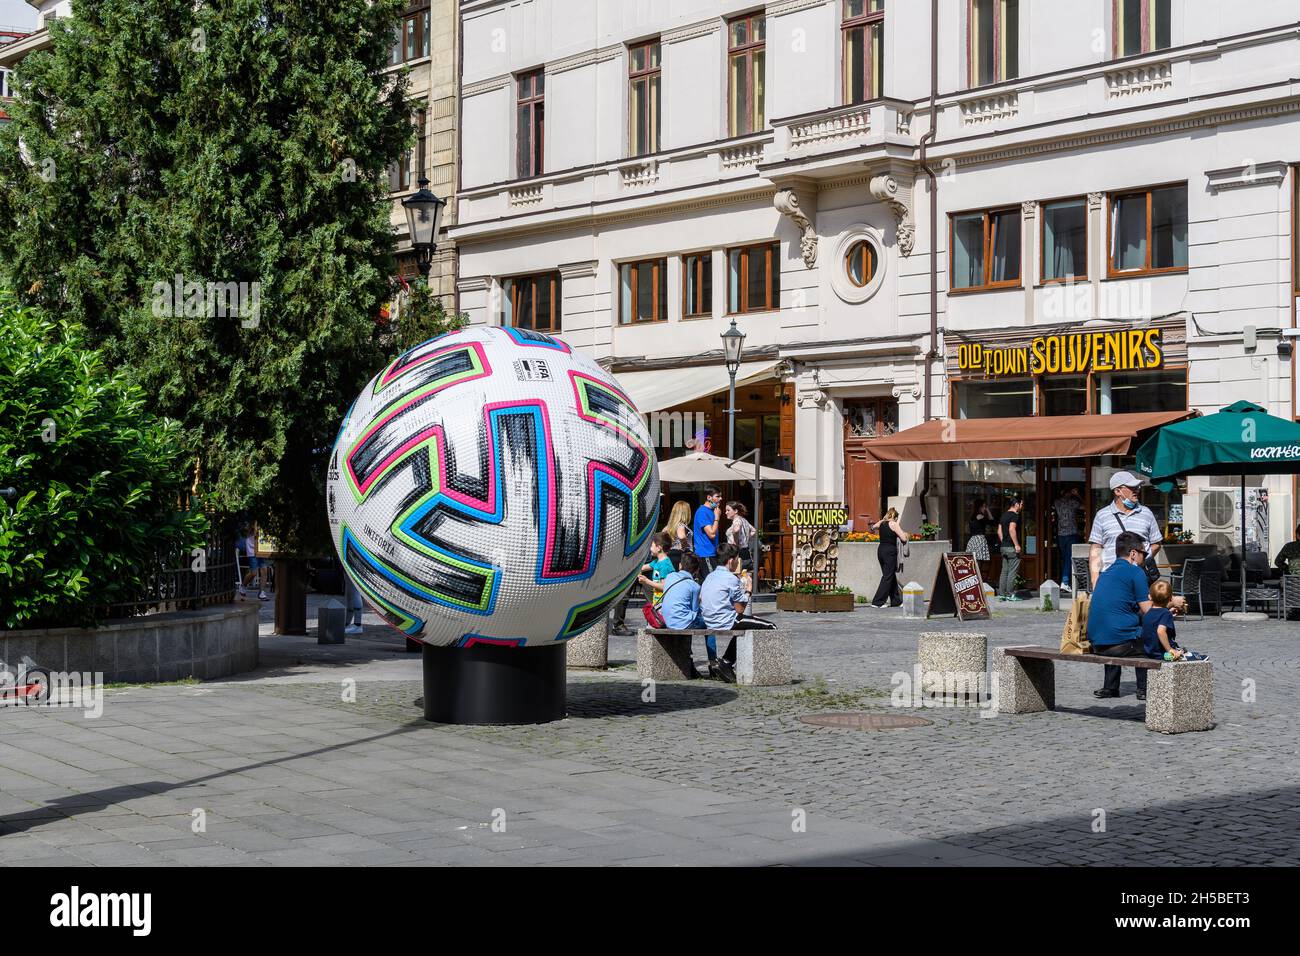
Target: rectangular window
[412, 38]
[697, 285]
[863, 26]
[643, 291]
[1141, 26]
[1065, 240]
[754, 278]
[993, 41]
[643, 98]
[532, 302]
[747, 59]
[1117, 393]
[406, 172]
[1002, 398]
[1148, 231]
[530, 98]
[985, 250]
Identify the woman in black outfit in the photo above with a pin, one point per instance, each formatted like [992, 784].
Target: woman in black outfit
[978, 539]
[890, 535]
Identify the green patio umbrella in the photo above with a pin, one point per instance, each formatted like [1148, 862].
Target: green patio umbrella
[1242, 439]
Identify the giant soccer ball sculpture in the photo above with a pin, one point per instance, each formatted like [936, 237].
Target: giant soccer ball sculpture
[492, 491]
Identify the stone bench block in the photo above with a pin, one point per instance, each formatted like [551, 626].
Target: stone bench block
[763, 658]
[1025, 685]
[950, 653]
[1180, 698]
[663, 656]
[590, 649]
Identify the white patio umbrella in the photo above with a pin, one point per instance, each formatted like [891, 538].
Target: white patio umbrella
[702, 466]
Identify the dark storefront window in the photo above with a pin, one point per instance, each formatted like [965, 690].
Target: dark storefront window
[1163, 391]
[1064, 394]
[998, 398]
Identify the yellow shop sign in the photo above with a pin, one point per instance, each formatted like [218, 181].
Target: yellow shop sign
[1073, 353]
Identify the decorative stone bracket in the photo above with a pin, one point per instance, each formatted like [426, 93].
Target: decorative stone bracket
[886, 189]
[787, 204]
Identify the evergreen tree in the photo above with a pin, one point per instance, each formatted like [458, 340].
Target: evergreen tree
[202, 186]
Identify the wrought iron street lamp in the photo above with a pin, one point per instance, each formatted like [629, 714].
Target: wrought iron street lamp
[733, 344]
[423, 217]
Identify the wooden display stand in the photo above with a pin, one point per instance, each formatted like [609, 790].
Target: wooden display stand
[959, 589]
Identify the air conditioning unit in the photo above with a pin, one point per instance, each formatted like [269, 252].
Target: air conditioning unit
[1219, 513]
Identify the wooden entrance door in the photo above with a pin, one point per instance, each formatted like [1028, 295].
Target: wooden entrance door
[865, 419]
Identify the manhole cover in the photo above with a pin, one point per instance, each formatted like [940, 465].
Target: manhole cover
[859, 720]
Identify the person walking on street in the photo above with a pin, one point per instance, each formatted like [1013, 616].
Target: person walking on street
[705, 532]
[1067, 507]
[1119, 599]
[1125, 513]
[891, 534]
[1010, 539]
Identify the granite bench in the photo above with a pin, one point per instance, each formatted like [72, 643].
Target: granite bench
[1180, 694]
[763, 657]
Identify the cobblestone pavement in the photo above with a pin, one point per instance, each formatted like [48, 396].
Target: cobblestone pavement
[287, 771]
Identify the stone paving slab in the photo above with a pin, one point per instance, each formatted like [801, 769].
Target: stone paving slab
[289, 773]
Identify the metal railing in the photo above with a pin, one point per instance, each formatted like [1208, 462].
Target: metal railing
[172, 582]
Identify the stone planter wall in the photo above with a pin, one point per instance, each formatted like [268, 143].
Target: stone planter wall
[206, 643]
[859, 568]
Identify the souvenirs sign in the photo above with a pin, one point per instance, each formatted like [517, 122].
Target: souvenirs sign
[816, 528]
[1124, 350]
[959, 589]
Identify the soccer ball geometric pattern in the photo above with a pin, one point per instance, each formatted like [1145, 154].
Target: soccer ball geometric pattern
[491, 486]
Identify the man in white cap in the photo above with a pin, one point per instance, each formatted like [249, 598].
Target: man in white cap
[1125, 513]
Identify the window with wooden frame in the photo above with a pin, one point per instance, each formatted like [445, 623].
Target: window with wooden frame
[1295, 229]
[697, 285]
[863, 29]
[985, 250]
[1147, 231]
[643, 291]
[532, 302]
[746, 76]
[993, 41]
[1063, 239]
[411, 41]
[405, 173]
[860, 263]
[1141, 26]
[754, 278]
[530, 122]
[643, 81]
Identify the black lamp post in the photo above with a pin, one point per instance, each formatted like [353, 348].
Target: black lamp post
[733, 343]
[423, 217]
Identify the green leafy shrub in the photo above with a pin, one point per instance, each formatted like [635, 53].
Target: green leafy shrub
[98, 478]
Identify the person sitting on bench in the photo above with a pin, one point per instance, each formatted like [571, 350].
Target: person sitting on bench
[681, 596]
[723, 602]
[1159, 631]
[1119, 600]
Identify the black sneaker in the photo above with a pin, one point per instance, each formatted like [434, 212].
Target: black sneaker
[727, 672]
[1105, 693]
[622, 631]
[1141, 695]
[714, 672]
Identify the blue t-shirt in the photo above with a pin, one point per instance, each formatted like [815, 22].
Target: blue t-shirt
[705, 546]
[719, 595]
[680, 605]
[1150, 637]
[1114, 615]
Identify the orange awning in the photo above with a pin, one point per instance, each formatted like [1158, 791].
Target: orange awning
[1044, 436]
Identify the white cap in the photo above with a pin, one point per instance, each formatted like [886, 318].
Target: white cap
[1125, 479]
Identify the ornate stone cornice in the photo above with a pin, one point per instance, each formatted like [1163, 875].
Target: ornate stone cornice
[691, 32]
[486, 86]
[585, 58]
[578, 270]
[1247, 174]
[782, 7]
[886, 189]
[787, 204]
[473, 283]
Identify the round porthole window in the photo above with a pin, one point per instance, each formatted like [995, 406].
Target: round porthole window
[860, 264]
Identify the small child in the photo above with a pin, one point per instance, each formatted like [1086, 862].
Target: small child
[660, 568]
[1158, 628]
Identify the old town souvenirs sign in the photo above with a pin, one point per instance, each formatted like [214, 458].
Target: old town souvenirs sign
[1123, 350]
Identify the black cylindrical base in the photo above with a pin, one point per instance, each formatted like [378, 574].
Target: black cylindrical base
[491, 684]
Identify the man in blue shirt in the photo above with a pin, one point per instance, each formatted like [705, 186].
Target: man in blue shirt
[680, 605]
[706, 527]
[1115, 614]
[723, 604]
